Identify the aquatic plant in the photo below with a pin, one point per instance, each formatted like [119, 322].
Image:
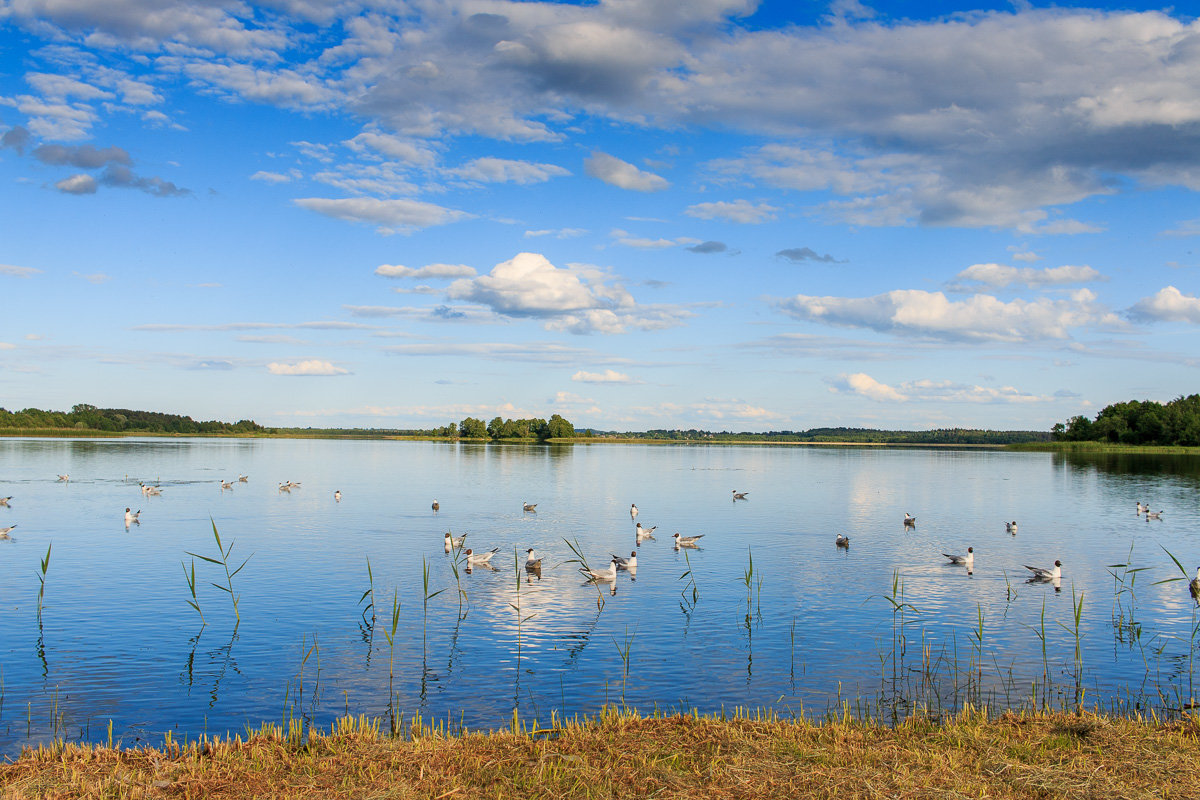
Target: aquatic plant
[223, 562]
[624, 649]
[581, 560]
[44, 568]
[190, 577]
[389, 633]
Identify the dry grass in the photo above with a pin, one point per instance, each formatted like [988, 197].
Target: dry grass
[626, 755]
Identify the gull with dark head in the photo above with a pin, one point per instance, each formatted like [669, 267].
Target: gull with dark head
[633, 512]
[687, 541]
[601, 576]
[436, 505]
[131, 517]
[1011, 527]
[739, 495]
[1042, 574]
[5, 531]
[452, 541]
[644, 533]
[909, 519]
[842, 540]
[529, 506]
[967, 561]
[626, 563]
[532, 559]
[476, 559]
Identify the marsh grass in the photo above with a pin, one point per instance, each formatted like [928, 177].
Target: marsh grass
[581, 560]
[43, 568]
[623, 754]
[690, 588]
[190, 577]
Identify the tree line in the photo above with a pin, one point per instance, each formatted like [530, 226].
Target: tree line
[86, 417]
[1138, 422]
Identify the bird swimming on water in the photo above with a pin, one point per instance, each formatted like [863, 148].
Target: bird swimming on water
[1011, 527]
[909, 519]
[967, 561]
[633, 512]
[842, 540]
[529, 506]
[1040, 574]
[687, 541]
[436, 505]
[739, 495]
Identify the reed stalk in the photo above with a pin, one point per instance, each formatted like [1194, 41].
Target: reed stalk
[223, 562]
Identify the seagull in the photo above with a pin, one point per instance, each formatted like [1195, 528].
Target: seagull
[244, 478]
[337, 495]
[1194, 587]
[64, 478]
[436, 505]
[481, 558]
[626, 563]
[131, 517]
[1153, 515]
[633, 512]
[842, 540]
[150, 490]
[1141, 509]
[739, 495]
[687, 541]
[530, 506]
[532, 560]
[226, 485]
[909, 519]
[967, 561]
[1011, 527]
[1040, 574]
[603, 576]
[4, 531]
[4, 500]
[644, 533]
[453, 542]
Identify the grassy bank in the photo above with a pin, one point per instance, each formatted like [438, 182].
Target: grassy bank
[1102, 447]
[625, 755]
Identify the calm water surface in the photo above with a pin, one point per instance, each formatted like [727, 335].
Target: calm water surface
[884, 625]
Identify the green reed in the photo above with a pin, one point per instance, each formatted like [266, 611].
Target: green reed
[1076, 630]
[581, 560]
[44, 568]
[521, 620]
[1125, 599]
[457, 557]
[190, 577]
[369, 593]
[691, 585]
[390, 634]
[1184, 575]
[223, 562]
[624, 649]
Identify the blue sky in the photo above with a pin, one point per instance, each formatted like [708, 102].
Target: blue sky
[719, 214]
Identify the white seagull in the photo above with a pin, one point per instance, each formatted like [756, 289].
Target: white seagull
[481, 558]
[150, 490]
[687, 541]
[225, 485]
[1153, 515]
[842, 540]
[1040, 574]
[529, 506]
[436, 505]
[603, 576]
[131, 517]
[909, 519]
[644, 533]
[967, 561]
[633, 512]
[532, 559]
[243, 478]
[739, 495]
[337, 495]
[64, 478]
[1141, 509]
[625, 563]
[4, 500]
[4, 531]
[1011, 527]
[451, 541]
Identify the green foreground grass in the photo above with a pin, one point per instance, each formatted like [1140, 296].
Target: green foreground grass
[626, 755]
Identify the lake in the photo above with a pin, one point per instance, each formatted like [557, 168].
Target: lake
[765, 613]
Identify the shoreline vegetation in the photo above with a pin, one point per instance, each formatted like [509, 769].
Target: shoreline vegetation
[620, 753]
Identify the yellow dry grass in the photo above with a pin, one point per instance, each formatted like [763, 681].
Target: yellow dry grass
[626, 755]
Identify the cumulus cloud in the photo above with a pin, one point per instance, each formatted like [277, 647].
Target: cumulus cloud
[1167, 305]
[999, 276]
[980, 318]
[708, 247]
[77, 184]
[122, 177]
[427, 271]
[608, 376]
[16, 138]
[275, 177]
[504, 170]
[799, 254]
[390, 215]
[645, 243]
[577, 299]
[311, 367]
[622, 174]
[83, 156]
[860, 383]
[560, 233]
[742, 211]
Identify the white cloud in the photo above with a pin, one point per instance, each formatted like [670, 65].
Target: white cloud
[560, 233]
[738, 211]
[999, 275]
[643, 243]
[275, 177]
[578, 298]
[608, 376]
[7, 346]
[428, 271]
[980, 318]
[18, 272]
[390, 215]
[622, 174]
[94, 278]
[310, 367]
[504, 170]
[394, 147]
[1167, 305]
[930, 391]
[77, 184]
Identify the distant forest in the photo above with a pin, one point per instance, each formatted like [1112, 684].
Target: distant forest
[1138, 422]
[88, 418]
[83, 417]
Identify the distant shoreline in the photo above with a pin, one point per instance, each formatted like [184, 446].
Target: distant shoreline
[1035, 447]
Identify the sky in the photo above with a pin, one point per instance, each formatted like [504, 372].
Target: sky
[720, 214]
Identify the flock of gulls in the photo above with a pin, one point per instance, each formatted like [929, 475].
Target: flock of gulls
[533, 561]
